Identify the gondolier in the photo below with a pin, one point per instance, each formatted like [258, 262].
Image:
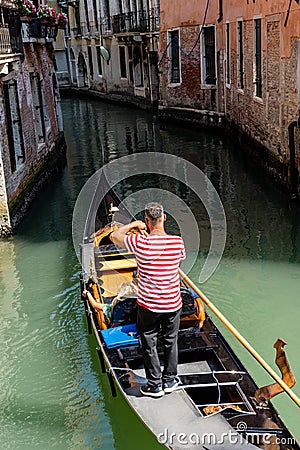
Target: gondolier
[159, 302]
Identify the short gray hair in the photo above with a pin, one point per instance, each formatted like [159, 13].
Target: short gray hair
[154, 210]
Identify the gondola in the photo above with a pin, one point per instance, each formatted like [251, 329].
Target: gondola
[214, 406]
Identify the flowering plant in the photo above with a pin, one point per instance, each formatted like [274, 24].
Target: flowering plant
[26, 8]
[45, 12]
[62, 20]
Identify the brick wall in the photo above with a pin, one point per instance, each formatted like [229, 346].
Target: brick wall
[266, 120]
[189, 92]
[263, 120]
[17, 185]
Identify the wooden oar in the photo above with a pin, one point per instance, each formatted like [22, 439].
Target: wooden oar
[240, 338]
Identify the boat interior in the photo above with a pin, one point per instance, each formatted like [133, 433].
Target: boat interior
[215, 386]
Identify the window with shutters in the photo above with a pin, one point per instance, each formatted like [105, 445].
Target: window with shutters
[240, 54]
[77, 21]
[45, 109]
[39, 122]
[174, 57]
[208, 61]
[86, 12]
[122, 58]
[257, 58]
[106, 15]
[99, 61]
[90, 56]
[14, 125]
[95, 13]
[228, 53]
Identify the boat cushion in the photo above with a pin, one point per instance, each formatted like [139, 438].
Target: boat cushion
[122, 336]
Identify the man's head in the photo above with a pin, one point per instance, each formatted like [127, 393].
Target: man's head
[154, 213]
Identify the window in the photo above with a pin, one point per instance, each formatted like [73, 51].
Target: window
[91, 62]
[99, 60]
[174, 57]
[227, 53]
[122, 57]
[95, 12]
[138, 73]
[130, 64]
[14, 125]
[77, 20]
[106, 15]
[86, 11]
[43, 102]
[208, 56]
[39, 122]
[257, 58]
[240, 54]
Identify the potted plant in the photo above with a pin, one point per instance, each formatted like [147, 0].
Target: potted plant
[47, 14]
[26, 10]
[62, 20]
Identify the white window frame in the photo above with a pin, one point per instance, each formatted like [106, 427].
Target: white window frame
[172, 84]
[227, 55]
[257, 17]
[126, 62]
[238, 65]
[202, 59]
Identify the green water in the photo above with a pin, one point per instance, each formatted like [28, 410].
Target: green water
[52, 393]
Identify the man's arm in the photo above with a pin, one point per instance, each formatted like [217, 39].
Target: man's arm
[118, 235]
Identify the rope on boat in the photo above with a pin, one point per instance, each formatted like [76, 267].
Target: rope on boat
[218, 385]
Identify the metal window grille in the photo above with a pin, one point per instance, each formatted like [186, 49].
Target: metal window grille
[258, 58]
[174, 57]
[240, 56]
[209, 55]
[227, 53]
[122, 57]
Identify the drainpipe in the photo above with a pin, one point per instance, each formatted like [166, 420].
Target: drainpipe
[220, 11]
[293, 169]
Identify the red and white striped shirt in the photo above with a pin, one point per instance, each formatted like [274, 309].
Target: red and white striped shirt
[158, 259]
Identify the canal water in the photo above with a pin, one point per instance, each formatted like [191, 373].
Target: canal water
[52, 395]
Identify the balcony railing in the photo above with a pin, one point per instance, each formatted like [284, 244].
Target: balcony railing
[10, 32]
[138, 21]
[5, 44]
[36, 29]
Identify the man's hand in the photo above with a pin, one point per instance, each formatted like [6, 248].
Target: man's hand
[141, 226]
[117, 236]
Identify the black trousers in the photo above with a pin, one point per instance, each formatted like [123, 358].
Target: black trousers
[149, 324]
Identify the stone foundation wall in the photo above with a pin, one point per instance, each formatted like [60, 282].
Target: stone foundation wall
[47, 168]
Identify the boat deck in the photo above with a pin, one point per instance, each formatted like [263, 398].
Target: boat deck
[183, 426]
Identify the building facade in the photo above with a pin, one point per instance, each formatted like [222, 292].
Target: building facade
[112, 49]
[236, 63]
[31, 132]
